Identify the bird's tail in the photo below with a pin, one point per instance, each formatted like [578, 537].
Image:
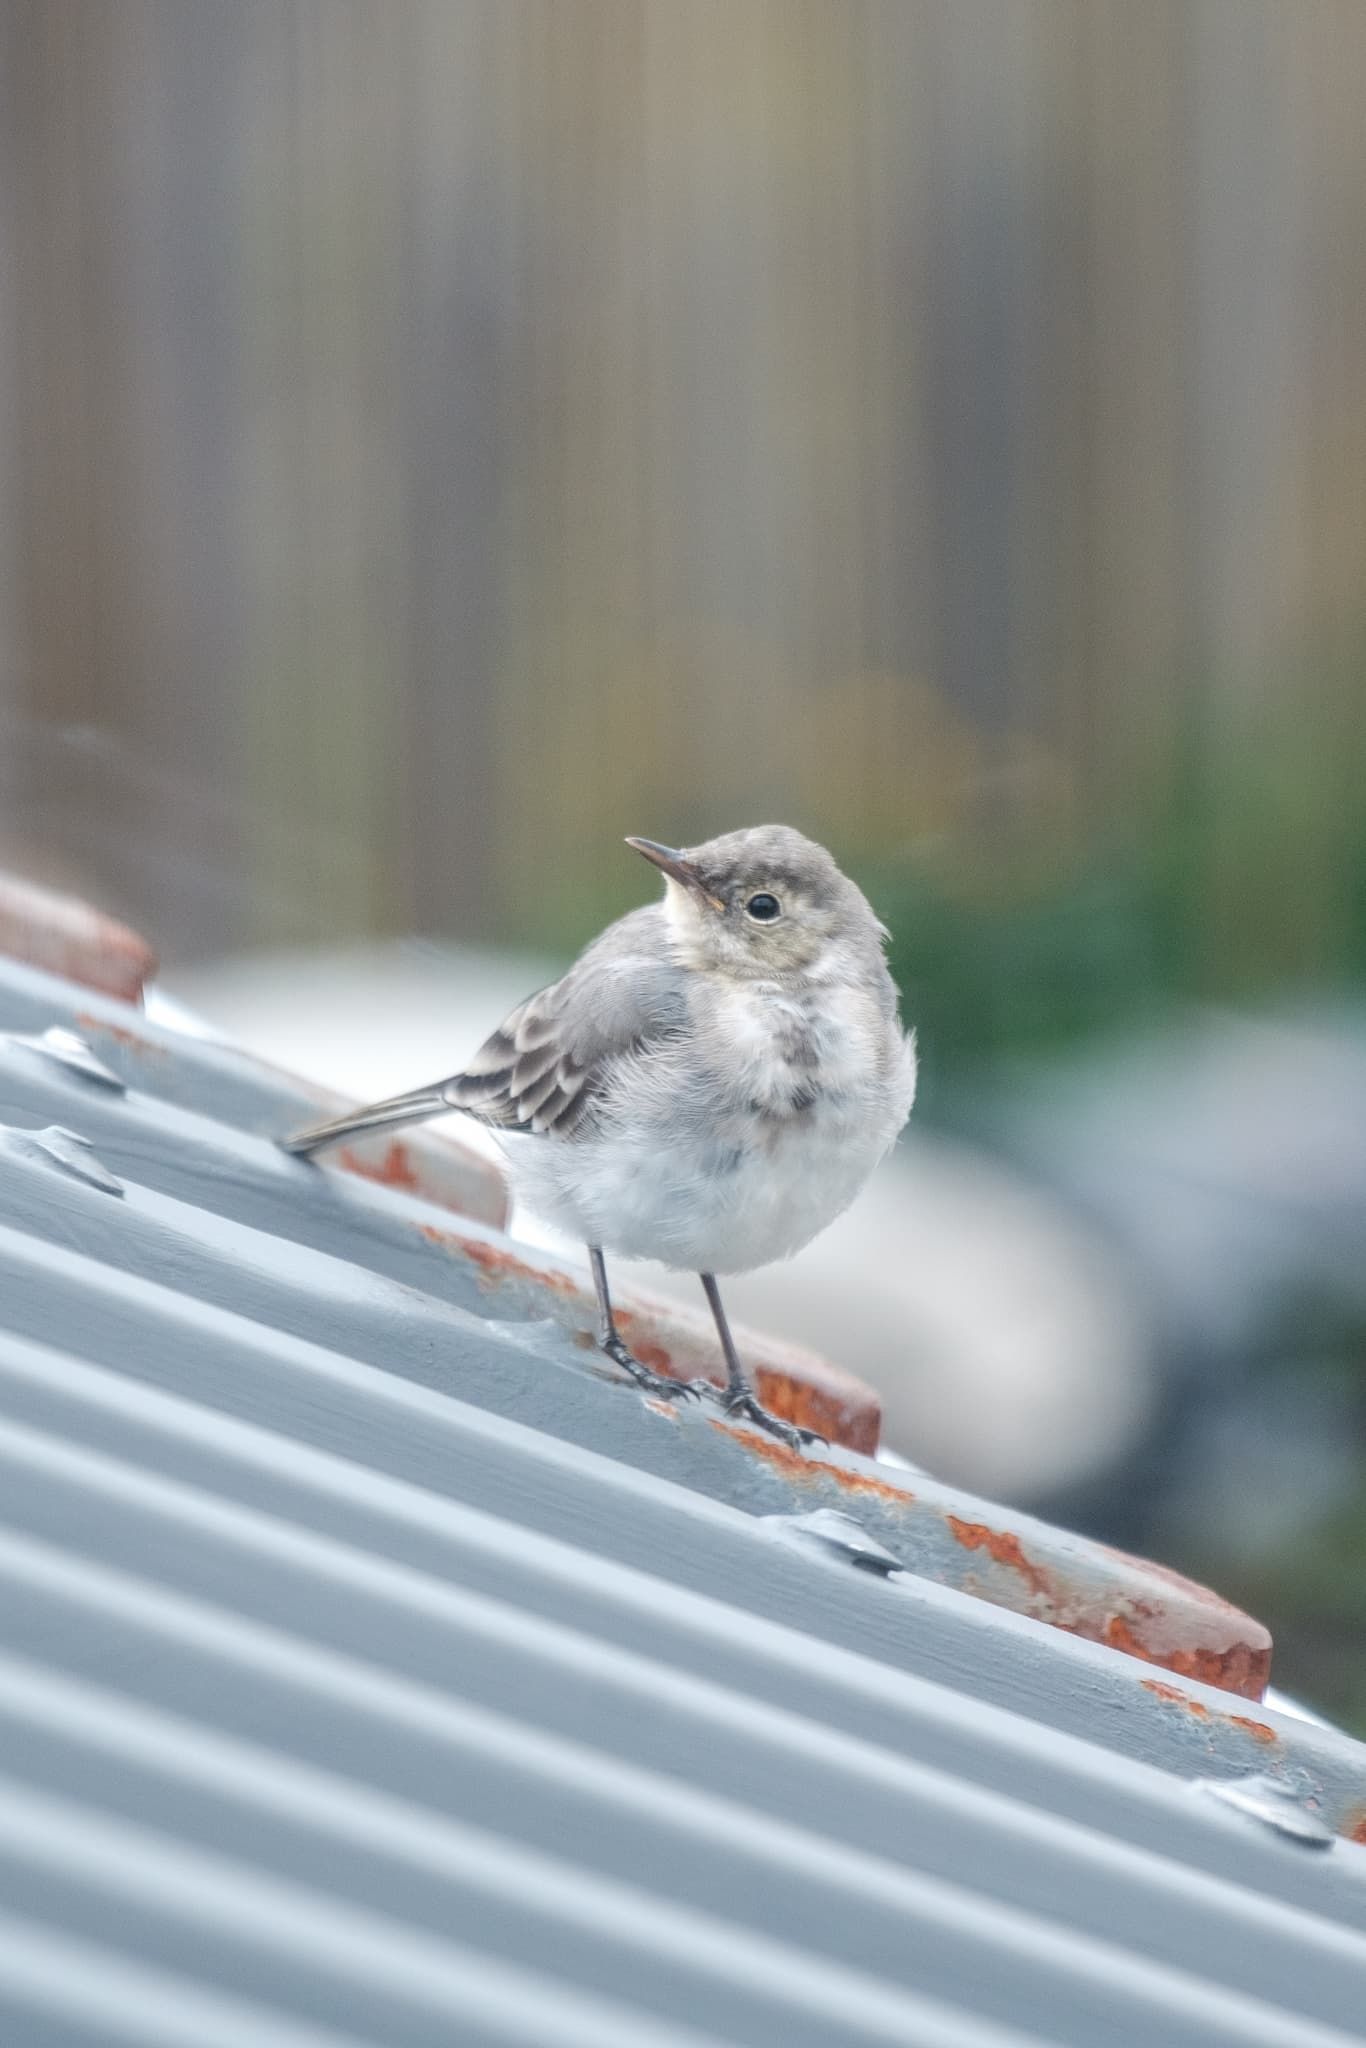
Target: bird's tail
[413, 1108]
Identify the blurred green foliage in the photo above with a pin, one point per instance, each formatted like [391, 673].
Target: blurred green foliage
[1308, 1581]
[1312, 1596]
[1246, 881]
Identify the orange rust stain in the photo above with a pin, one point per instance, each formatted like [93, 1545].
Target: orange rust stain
[1001, 1545]
[1120, 1636]
[1240, 1668]
[812, 1406]
[806, 1468]
[650, 1353]
[394, 1170]
[120, 1033]
[1355, 1829]
[444, 1240]
[1176, 1697]
[796, 1400]
[767, 1447]
[788, 1395]
[1258, 1730]
[496, 1264]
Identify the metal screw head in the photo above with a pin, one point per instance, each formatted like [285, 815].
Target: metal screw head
[67, 1049]
[839, 1536]
[66, 1150]
[1275, 1804]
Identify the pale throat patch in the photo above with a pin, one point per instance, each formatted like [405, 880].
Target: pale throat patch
[684, 918]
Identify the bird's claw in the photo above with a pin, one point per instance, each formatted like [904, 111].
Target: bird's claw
[743, 1403]
[671, 1389]
[739, 1402]
[657, 1383]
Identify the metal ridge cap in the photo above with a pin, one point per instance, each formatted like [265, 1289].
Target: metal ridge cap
[63, 935]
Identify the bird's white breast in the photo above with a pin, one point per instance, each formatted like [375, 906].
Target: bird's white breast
[739, 1142]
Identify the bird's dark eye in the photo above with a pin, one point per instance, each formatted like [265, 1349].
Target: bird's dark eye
[763, 909]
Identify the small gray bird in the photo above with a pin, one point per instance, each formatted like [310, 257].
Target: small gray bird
[710, 1084]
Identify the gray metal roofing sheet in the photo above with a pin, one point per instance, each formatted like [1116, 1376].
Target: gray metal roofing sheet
[371, 1670]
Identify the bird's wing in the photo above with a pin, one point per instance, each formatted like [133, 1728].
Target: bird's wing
[546, 1064]
[547, 1061]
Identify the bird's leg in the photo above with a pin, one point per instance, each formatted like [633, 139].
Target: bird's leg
[613, 1343]
[738, 1396]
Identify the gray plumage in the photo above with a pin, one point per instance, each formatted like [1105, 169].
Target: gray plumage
[554, 1057]
[710, 1083]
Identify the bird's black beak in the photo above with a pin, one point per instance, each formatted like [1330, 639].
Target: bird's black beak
[672, 863]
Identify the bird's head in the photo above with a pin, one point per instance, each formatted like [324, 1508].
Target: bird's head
[760, 903]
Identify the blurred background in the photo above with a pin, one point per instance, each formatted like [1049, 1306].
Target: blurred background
[437, 439]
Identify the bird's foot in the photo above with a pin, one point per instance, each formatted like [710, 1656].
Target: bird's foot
[657, 1383]
[742, 1401]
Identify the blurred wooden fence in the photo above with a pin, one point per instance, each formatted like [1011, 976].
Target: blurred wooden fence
[436, 438]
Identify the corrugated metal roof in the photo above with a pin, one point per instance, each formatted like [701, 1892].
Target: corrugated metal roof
[374, 1669]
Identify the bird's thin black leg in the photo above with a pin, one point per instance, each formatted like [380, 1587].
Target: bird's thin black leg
[613, 1343]
[739, 1397]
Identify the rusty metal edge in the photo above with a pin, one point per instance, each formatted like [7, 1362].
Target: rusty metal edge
[801, 1385]
[65, 936]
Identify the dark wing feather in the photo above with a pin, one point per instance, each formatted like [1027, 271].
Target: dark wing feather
[544, 1066]
[519, 1070]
